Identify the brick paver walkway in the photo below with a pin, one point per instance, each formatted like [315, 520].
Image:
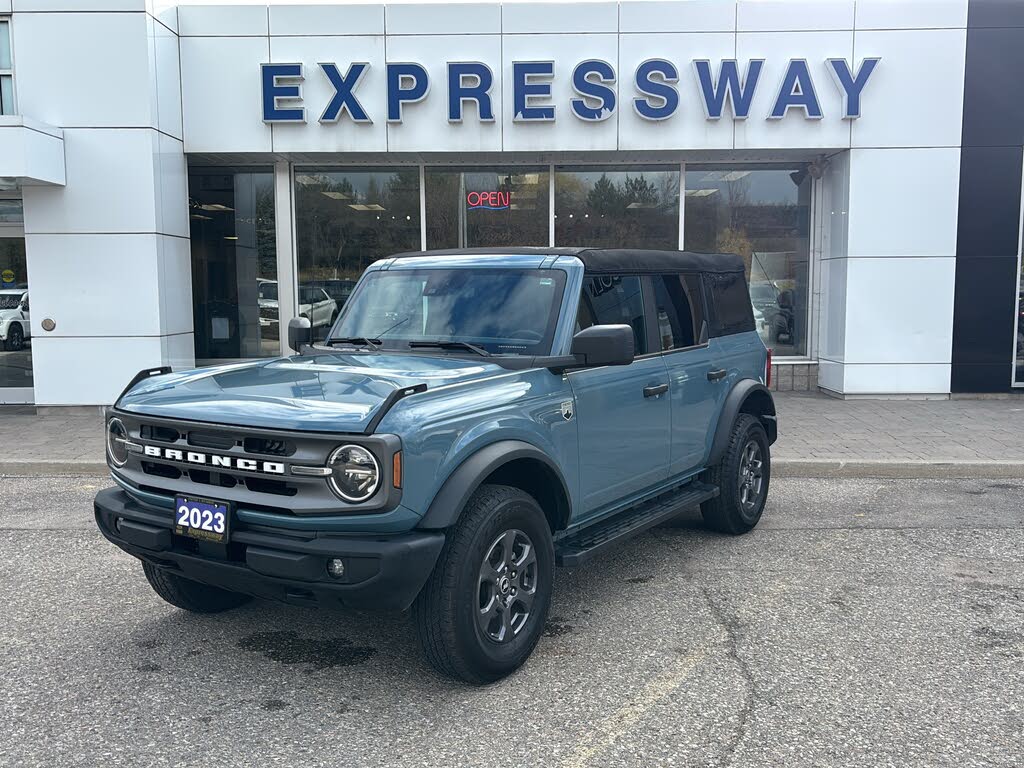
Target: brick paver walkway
[813, 429]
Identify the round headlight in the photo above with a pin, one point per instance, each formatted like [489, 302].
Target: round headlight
[117, 442]
[355, 473]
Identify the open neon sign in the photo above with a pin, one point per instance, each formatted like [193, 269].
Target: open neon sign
[488, 201]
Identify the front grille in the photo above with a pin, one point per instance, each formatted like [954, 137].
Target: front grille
[220, 442]
[249, 467]
[268, 447]
[162, 434]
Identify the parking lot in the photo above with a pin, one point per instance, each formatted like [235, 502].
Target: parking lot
[865, 622]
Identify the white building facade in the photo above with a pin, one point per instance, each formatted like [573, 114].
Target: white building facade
[176, 180]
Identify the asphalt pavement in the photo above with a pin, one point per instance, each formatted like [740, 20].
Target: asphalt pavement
[863, 623]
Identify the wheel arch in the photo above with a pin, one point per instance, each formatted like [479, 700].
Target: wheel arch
[506, 462]
[747, 396]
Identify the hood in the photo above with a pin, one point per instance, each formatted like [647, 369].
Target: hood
[322, 393]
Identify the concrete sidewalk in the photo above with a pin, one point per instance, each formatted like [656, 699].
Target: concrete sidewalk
[818, 437]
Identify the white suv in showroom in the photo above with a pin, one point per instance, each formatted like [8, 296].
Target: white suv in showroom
[14, 322]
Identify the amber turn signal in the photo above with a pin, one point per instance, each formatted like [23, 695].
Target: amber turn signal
[396, 470]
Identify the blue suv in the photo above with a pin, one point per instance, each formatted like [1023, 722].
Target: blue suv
[473, 419]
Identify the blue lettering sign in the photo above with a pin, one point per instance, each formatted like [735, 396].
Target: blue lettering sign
[796, 91]
[407, 84]
[525, 90]
[344, 99]
[275, 91]
[593, 90]
[851, 85]
[478, 89]
[593, 80]
[663, 93]
[729, 87]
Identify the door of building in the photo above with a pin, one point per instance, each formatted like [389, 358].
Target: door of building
[15, 328]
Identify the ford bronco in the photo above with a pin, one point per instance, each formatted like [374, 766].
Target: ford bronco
[472, 420]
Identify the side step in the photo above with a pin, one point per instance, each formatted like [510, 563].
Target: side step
[580, 547]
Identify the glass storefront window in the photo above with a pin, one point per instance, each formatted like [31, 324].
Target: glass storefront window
[234, 263]
[763, 214]
[345, 219]
[1018, 366]
[15, 329]
[486, 207]
[616, 207]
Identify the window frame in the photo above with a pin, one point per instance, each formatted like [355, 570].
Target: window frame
[651, 311]
[9, 71]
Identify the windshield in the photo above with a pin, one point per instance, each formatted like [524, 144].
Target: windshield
[268, 291]
[503, 311]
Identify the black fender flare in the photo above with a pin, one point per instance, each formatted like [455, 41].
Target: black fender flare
[451, 499]
[734, 401]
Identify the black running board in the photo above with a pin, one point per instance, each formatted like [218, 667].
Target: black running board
[579, 547]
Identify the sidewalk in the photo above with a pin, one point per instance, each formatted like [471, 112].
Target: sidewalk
[818, 437]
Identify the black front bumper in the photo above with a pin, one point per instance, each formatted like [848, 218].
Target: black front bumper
[383, 572]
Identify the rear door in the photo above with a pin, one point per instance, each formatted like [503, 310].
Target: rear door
[683, 337]
[623, 413]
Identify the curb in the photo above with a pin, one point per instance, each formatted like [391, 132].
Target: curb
[916, 470]
[781, 468]
[53, 468]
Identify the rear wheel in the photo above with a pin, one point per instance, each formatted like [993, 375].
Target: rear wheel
[483, 609]
[742, 477]
[15, 338]
[190, 595]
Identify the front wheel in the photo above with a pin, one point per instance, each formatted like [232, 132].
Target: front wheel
[742, 477]
[483, 609]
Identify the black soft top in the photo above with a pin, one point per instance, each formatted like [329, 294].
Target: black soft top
[613, 260]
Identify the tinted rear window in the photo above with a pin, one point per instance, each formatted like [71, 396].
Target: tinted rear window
[730, 303]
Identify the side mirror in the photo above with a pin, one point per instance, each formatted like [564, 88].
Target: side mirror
[604, 345]
[300, 333]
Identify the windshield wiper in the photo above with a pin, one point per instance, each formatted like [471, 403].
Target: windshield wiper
[441, 344]
[373, 344]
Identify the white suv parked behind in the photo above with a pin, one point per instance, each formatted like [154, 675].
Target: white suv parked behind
[14, 323]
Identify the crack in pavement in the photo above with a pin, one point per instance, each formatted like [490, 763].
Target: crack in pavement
[730, 626]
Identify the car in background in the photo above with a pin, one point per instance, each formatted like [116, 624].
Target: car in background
[339, 290]
[315, 304]
[15, 328]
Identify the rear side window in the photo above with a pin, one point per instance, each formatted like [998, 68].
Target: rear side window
[730, 304]
[614, 300]
[679, 306]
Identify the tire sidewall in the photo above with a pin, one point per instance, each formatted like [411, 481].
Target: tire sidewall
[491, 658]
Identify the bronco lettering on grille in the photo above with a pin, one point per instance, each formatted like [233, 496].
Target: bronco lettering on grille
[227, 462]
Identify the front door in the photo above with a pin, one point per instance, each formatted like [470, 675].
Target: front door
[623, 415]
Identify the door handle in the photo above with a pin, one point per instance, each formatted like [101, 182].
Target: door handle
[655, 389]
[717, 375]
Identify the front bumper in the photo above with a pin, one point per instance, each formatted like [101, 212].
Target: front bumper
[381, 571]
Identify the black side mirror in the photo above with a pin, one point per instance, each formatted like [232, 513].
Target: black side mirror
[300, 333]
[604, 345]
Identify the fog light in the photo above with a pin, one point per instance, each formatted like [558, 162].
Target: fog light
[336, 567]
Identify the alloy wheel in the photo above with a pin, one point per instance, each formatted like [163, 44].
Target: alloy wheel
[751, 479]
[507, 586]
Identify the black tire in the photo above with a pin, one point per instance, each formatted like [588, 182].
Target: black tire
[190, 595]
[15, 338]
[453, 638]
[732, 511]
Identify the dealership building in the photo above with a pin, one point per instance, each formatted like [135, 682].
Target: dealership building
[177, 179]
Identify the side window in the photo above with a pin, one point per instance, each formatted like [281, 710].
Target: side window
[614, 300]
[680, 310]
[731, 311]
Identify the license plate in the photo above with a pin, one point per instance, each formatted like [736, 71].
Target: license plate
[201, 519]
